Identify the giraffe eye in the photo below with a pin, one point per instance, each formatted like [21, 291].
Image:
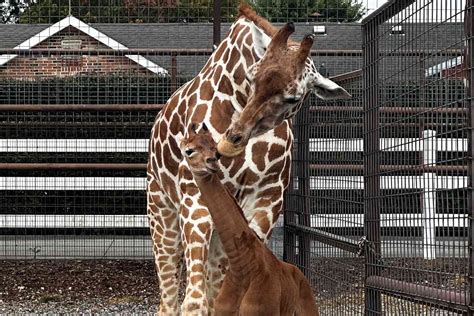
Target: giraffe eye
[189, 152]
[292, 100]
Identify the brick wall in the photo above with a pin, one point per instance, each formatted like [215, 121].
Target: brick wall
[34, 65]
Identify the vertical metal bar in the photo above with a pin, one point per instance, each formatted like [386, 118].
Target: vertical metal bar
[174, 72]
[217, 22]
[303, 173]
[373, 304]
[469, 62]
[289, 238]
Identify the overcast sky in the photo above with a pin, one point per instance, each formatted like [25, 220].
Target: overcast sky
[425, 10]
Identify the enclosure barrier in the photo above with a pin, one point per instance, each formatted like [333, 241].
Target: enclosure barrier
[405, 203]
[381, 195]
[383, 278]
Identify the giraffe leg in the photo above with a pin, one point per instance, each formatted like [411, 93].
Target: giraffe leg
[167, 250]
[196, 231]
[217, 264]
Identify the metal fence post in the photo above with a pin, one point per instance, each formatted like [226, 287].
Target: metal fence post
[429, 195]
[217, 23]
[373, 303]
[174, 72]
[299, 208]
[469, 81]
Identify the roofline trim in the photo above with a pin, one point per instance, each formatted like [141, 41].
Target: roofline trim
[88, 30]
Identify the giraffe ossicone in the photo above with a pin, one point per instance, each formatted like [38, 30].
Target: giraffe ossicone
[280, 81]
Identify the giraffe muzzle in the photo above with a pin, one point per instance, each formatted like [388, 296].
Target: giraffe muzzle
[228, 149]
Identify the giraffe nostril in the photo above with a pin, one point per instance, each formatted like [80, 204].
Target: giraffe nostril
[211, 159]
[235, 139]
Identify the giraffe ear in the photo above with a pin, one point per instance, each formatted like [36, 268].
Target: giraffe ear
[260, 41]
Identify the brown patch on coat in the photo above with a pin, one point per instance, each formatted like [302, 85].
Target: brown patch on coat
[237, 164]
[263, 203]
[163, 130]
[259, 151]
[191, 190]
[199, 113]
[239, 75]
[233, 60]
[276, 151]
[249, 58]
[217, 75]
[221, 115]
[206, 92]
[201, 212]
[204, 227]
[225, 58]
[277, 168]
[248, 177]
[241, 98]
[270, 192]
[195, 237]
[175, 124]
[168, 160]
[281, 131]
[192, 100]
[188, 201]
[175, 149]
[225, 86]
[235, 32]
[219, 52]
[262, 220]
[169, 187]
[194, 85]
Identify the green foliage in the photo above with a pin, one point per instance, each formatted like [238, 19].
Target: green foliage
[305, 10]
[90, 11]
[10, 11]
[125, 11]
[182, 11]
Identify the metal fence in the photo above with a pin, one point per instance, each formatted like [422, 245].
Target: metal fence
[379, 211]
[377, 214]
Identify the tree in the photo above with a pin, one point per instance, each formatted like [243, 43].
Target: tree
[10, 11]
[305, 10]
[91, 11]
[124, 11]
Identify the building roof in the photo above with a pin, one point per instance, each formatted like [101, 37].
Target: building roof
[448, 64]
[339, 36]
[45, 33]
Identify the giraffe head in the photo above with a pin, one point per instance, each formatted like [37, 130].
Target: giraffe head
[280, 80]
[200, 151]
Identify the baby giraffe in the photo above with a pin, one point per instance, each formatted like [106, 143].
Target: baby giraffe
[256, 283]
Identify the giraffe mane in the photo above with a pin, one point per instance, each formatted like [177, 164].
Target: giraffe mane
[249, 13]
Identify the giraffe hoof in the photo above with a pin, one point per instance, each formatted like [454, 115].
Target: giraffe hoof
[227, 149]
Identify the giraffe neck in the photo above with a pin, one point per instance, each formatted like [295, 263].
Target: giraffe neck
[227, 67]
[230, 222]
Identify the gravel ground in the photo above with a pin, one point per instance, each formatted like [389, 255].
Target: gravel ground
[83, 287]
[130, 286]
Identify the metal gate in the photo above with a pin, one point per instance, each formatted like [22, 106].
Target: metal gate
[379, 212]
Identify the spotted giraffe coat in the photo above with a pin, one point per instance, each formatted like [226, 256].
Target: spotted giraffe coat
[179, 219]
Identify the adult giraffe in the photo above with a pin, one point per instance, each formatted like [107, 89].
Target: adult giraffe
[179, 219]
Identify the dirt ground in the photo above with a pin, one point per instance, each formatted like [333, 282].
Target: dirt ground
[78, 286]
[130, 286]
